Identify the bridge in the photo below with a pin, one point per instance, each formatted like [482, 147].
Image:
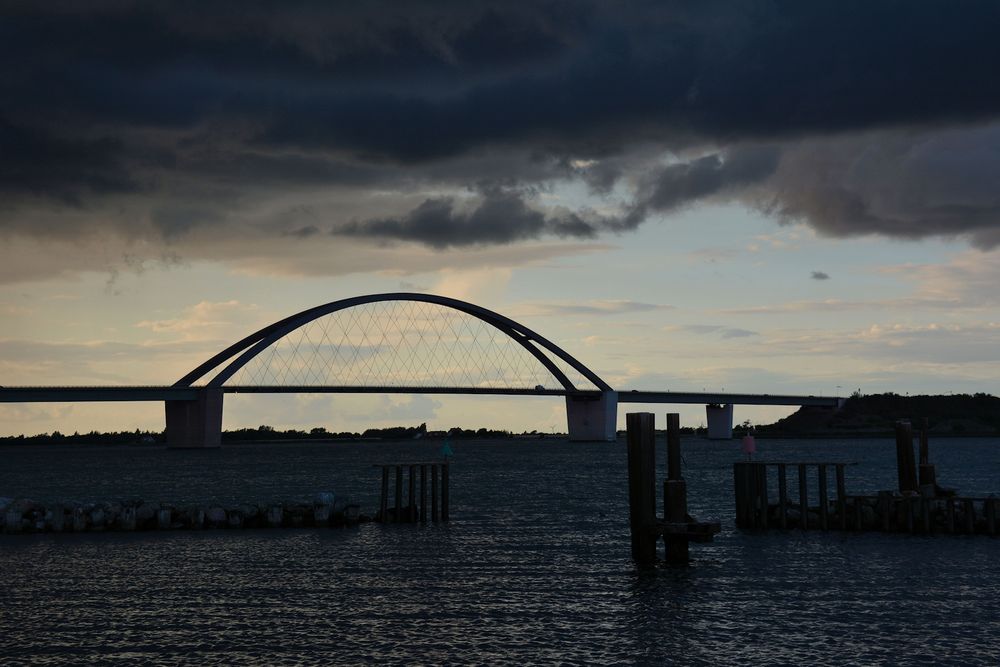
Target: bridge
[398, 343]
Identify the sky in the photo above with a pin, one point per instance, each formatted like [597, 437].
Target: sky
[770, 197]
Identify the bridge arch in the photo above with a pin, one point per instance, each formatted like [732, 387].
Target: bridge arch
[590, 413]
[244, 351]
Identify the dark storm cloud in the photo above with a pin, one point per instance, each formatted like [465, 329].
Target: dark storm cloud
[499, 217]
[207, 103]
[819, 275]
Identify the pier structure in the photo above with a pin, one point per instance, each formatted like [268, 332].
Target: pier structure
[417, 475]
[917, 506]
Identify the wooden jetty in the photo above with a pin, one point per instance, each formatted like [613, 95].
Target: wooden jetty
[411, 512]
[677, 527]
[918, 506]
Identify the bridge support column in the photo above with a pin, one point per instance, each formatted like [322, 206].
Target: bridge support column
[592, 418]
[720, 421]
[197, 423]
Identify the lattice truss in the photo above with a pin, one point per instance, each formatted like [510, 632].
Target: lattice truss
[402, 344]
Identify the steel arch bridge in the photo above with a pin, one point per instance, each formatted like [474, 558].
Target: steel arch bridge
[357, 344]
[397, 342]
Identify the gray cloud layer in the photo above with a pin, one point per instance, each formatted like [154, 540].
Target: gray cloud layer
[441, 123]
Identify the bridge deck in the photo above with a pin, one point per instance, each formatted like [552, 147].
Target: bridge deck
[638, 396]
[168, 393]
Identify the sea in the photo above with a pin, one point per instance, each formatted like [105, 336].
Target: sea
[532, 569]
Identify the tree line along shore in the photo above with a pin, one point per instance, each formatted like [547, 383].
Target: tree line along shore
[872, 415]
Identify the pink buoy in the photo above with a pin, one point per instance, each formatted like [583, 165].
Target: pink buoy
[749, 446]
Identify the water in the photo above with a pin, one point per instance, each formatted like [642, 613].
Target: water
[533, 568]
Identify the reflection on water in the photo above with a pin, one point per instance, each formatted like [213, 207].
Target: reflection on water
[533, 567]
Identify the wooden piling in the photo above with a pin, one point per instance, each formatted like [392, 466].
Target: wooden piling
[397, 515]
[641, 494]
[675, 494]
[905, 468]
[841, 496]
[411, 494]
[824, 503]
[884, 508]
[950, 516]
[423, 493]
[383, 505]
[990, 510]
[434, 492]
[803, 498]
[739, 489]
[859, 516]
[760, 475]
[970, 515]
[782, 496]
[444, 491]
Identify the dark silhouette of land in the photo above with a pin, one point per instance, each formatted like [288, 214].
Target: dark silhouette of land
[876, 415]
[861, 416]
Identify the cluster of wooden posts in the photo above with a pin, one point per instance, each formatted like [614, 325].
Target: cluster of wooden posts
[918, 506]
[411, 513]
[677, 528]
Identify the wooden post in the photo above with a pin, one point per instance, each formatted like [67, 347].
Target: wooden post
[924, 449]
[740, 488]
[951, 515]
[908, 513]
[884, 497]
[675, 494]
[823, 500]
[434, 492]
[444, 491]
[641, 496]
[990, 510]
[803, 498]
[905, 469]
[423, 493]
[383, 506]
[411, 494]
[782, 496]
[841, 496]
[397, 516]
[859, 517]
[761, 494]
[970, 515]
[925, 515]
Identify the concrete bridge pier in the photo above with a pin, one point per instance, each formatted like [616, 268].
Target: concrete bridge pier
[197, 423]
[720, 421]
[592, 418]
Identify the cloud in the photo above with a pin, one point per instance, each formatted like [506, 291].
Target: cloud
[819, 275]
[721, 331]
[207, 320]
[595, 307]
[240, 134]
[501, 217]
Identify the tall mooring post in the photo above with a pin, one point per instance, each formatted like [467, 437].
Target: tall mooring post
[675, 493]
[641, 486]
[906, 467]
[677, 528]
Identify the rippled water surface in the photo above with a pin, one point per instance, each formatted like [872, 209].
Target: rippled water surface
[533, 568]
